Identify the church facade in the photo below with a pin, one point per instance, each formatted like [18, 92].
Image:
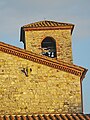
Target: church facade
[41, 78]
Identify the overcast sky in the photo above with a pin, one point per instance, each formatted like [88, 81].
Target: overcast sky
[16, 13]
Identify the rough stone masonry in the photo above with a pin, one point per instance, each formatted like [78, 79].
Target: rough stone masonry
[44, 90]
[28, 86]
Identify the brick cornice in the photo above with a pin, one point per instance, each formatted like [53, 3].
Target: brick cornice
[47, 28]
[71, 68]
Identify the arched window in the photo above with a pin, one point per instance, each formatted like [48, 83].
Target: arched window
[48, 46]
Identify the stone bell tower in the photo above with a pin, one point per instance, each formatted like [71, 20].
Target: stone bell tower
[52, 39]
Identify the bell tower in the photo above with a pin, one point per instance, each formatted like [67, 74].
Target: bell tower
[49, 38]
[41, 78]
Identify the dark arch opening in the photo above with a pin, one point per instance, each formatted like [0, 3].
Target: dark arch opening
[49, 47]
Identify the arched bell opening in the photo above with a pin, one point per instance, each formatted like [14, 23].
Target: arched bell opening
[48, 46]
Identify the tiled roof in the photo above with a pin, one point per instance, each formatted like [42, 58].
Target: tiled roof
[47, 24]
[47, 117]
[71, 68]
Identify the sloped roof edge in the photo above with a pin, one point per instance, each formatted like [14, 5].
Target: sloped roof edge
[71, 68]
[46, 23]
[46, 117]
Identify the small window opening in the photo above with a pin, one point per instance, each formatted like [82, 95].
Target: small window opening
[49, 47]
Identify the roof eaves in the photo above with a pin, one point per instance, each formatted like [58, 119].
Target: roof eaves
[41, 25]
[46, 117]
[73, 69]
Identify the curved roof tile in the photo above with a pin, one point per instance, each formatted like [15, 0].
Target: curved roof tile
[47, 23]
[46, 117]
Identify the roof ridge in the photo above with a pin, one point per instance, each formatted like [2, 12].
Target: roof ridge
[73, 69]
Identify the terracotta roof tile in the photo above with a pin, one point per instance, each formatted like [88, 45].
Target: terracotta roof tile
[47, 23]
[47, 117]
[28, 117]
[69, 117]
[71, 68]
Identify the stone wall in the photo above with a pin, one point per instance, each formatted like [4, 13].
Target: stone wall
[38, 89]
[33, 41]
